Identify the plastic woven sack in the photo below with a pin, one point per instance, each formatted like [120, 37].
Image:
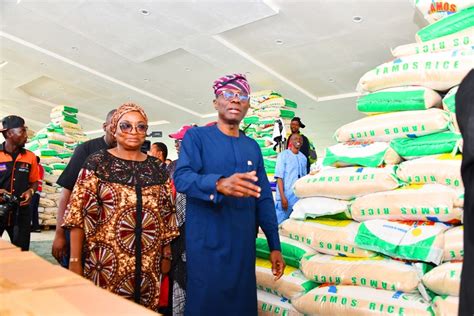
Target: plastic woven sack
[291, 285]
[442, 169]
[375, 272]
[347, 183]
[398, 99]
[58, 166]
[64, 108]
[446, 305]
[428, 202]
[449, 100]
[434, 144]
[45, 153]
[449, 25]
[270, 305]
[327, 236]
[314, 207]
[274, 112]
[278, 103]
[269, 165]
[422, 241]
[360, 153]
[444, 279]
[459, 40]
[291, 250]
[357, 300]
[434, 11]
[259, 96]
[388, 126]
[454, 244]
[438, 71]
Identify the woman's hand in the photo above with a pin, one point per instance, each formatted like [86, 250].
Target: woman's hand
[76, 267]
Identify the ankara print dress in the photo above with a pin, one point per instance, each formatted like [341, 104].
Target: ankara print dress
[108, 196]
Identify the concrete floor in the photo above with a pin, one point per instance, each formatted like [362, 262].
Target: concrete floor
[40, 244]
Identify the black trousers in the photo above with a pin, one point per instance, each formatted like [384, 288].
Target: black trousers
[34, 211]
[20, 229]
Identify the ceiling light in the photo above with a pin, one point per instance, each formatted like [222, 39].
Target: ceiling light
[187, 69]
[42, 64]
[331, 80]
[3, 63]
[279, 42]
[146, 80]
[199, 103]
[356, 19]
[74, 48]
[144, 12]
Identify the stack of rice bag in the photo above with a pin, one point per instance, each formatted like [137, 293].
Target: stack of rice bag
[269, 115]
[55, 144]
[381, 221]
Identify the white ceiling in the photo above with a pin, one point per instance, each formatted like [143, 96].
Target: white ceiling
[98, 54]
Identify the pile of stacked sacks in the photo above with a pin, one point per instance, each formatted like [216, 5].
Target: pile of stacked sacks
[268, 118]
[377, 230]
[55, 144]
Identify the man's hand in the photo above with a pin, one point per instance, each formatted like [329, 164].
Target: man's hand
[26, 197]
[59, 249]
[278, 264]
[239, 185]
[1, 195]
[284, 202]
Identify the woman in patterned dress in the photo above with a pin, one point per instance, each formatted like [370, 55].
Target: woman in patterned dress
[122, 195]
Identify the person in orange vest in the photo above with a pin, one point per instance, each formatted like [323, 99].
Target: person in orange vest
[18, 181]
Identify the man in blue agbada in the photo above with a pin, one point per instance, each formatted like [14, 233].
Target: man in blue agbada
[228, 196]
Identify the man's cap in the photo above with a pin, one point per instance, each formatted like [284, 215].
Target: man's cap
[297, 119]
[12, 121]
[179, 135]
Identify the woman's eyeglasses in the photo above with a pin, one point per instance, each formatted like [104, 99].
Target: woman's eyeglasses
[127, 127]
[229, 95]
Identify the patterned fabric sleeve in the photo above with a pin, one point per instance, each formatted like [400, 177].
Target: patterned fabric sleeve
[83, 201]
[168, 214]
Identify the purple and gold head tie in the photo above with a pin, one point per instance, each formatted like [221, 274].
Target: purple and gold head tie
[235, 81]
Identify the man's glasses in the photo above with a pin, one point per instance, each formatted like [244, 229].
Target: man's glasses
[177, 142]
[229, 95]
[127, 127]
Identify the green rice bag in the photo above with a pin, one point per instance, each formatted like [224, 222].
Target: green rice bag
[439, 143]
[449, 25]
[291, 250]
[398, 99]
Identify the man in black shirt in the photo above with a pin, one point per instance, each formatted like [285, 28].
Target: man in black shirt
[465, 117]
[68, 179]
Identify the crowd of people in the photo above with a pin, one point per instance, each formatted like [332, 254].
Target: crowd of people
[175, 236]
